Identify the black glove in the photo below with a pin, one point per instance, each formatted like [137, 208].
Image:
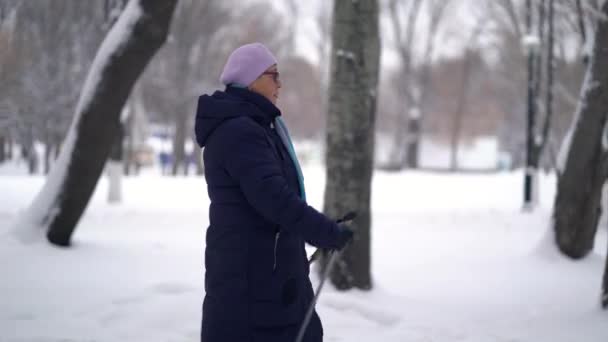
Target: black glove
[344, 235]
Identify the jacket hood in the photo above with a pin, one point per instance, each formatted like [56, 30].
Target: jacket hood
[213, 110]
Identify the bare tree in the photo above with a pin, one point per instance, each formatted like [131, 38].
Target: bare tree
[407, 123]
[415, 72]
[323, 45]
[577, 208]
[50, 54]
[301, 97]
[464, 89]
[293, 12]
[130, 44]
[184, 66]
[350, 131]
[550, 115]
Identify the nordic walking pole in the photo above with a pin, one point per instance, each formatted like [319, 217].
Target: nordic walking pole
[311, 308]
[333, 255]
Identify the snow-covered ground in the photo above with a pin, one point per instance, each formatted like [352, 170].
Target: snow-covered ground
[454, 259]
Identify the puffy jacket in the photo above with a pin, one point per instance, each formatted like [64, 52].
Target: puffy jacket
[256, 268]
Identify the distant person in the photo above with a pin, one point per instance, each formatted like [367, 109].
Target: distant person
[256, 280]
[165, 162]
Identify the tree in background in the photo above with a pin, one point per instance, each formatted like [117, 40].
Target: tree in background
[51, 61]
[185, 67]
[8, 75]
[323, 46]
[467, 85]
[301, 97]
[507, 31]
[139, 32]
[584, 156]
[415, 72]
[202, 36]
[350, 131]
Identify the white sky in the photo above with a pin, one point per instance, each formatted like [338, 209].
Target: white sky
[455, 30]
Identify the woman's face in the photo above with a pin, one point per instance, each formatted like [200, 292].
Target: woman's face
[268, 84]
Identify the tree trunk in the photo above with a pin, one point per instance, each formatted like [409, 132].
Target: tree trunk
[57, 149]
[29, 154]
[2, 148]
[460, 108]
[531, 169]
[9, 148]
[408, 134]
[412, 146]
[350, 132]
[179, 140]
[47, 156]
[537, 146]
[577, 204]
[139, 32]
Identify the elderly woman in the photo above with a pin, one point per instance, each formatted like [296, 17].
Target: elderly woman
[256, 281]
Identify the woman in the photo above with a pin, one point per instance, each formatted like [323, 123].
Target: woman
[256, 280]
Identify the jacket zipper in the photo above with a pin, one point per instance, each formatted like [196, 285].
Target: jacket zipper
[276, 243]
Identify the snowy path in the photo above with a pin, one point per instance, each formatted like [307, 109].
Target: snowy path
[453, 260]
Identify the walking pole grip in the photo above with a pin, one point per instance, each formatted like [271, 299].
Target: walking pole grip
[333, 255]
[351, 215]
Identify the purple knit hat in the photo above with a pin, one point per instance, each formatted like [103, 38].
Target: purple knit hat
[247, 63]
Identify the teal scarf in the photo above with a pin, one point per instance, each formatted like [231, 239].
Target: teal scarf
[281, 129]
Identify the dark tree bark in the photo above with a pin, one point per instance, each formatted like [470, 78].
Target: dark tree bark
[57, 149]
[577, 206]
[28, 152]
[117, 150]
[9, 148]
[47, 156]
[179, 139]
[550, 70]
[2, 148]
[412, 145]
[536, 146]
[350, 132]
[97, 120]
[530, 113]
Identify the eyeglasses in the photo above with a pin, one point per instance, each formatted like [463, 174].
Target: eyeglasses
[274, 74]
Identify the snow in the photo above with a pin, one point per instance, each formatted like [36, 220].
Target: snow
[414, 113]
[562, 155]
[346, 54]
[587, 86]
[454, 259]
[114, 171]
[44, 208]
[530, 41]
[480, 154]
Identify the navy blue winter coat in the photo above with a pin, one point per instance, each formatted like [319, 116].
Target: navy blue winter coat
[256, 278]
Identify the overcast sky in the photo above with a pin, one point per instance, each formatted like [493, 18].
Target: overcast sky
[453, 34]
